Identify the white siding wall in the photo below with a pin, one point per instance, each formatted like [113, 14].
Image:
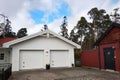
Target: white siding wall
[6, 56]
[40, 43]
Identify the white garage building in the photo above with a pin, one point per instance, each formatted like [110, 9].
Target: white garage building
[40, 49]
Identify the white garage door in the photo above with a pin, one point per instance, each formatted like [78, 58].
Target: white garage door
[59, 58]
[31, 59]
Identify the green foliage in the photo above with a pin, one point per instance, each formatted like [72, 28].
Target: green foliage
[116, 15]
[63, 27]
[101, 20]
[86, 33]
[77, 53]
[10, 34]
[96, 14]
[88, 43]
[82, 27]
[22, 32]
[73, 36]
[77, 56]
[7, 29]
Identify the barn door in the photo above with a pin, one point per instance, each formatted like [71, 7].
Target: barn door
[109, 58]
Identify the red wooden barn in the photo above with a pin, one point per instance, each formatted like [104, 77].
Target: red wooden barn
[109, 48]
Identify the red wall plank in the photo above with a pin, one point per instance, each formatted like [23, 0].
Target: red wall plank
[112, 39]
[116, 54]
[112, 36]
[90, 58]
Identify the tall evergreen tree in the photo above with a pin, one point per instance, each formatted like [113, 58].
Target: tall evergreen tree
[116, 16]
[82, 29]
[101, 21]
[8, 29]
[73, 37]
[63, 27]
[2, 26]
[87, 33]
[5, 28]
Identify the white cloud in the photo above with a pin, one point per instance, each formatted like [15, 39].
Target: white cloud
[47, 6]
[22, 18]
[10, 7]
[55, 25]
[81, 7]
[18, 12]
[35, 28]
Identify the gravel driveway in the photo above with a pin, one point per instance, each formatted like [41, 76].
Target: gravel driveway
[65, 74]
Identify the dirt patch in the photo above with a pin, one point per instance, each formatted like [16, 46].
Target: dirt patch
[65, 74]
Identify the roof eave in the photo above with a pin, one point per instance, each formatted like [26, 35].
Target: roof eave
[66, 40]
[8, 44]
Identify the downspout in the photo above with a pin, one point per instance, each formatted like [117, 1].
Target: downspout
[99, 57]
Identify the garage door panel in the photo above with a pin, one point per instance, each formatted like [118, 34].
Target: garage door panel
[31, 59]
[59, 58]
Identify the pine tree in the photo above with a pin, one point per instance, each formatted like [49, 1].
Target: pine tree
[63, 27]
[73, 37]
[5, 28]
[82, 27]
[101, 21]
[115, 16]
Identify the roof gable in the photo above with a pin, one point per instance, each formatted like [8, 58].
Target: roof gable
[46, 33]
[112, 26]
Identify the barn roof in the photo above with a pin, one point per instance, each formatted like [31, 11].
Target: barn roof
[107, 31]
[41, 33]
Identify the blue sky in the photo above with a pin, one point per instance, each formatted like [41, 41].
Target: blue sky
[37, 15]
[114, 1]
[33, 14]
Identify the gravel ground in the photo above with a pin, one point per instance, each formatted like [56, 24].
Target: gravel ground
[65, 74]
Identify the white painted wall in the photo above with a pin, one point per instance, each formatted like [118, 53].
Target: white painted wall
[6, 56]
[40, 43]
